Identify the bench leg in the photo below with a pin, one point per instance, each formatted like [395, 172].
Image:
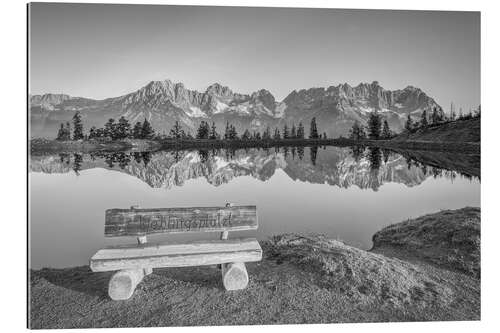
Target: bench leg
[234, 276]
[123, 283]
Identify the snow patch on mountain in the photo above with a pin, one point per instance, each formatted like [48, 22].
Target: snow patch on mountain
[195, 112]
[220, 107]
[280, 110]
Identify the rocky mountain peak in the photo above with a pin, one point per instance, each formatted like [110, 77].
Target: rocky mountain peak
[219, 90]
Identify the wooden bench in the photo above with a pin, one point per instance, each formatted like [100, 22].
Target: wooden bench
[133, 262]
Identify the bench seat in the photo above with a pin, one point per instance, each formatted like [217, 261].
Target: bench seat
[198, 253]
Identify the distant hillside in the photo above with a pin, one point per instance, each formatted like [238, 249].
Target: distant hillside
[457, 131]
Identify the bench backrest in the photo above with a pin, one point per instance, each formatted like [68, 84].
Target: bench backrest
[139, 222]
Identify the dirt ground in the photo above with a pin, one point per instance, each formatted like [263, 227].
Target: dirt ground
[301, 279]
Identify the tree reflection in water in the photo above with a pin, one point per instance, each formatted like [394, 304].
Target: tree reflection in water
[313, 154]
[357, 152]
[374, 156]
[375, 159]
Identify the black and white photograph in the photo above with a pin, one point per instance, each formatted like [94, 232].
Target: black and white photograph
[214, 165]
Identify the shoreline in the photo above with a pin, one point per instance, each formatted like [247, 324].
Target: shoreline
[44, 146]
[427, 268]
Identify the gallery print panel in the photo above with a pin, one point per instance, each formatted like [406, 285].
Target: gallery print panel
[199, 166]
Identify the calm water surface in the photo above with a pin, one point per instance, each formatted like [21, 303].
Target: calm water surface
[346, 193]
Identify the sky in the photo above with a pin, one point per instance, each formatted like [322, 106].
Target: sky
[99, 51]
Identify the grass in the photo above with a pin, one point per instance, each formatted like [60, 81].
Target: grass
[450, 238]
[456, 131]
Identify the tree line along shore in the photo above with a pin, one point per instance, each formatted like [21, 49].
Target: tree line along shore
[120, 135]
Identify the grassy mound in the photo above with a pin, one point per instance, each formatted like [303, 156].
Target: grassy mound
[456, 131]
[364, 276]
[450, 238]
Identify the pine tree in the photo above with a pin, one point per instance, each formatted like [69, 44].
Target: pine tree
[357, 132]
[409, 124]
[436, 116]
[423, 120]
[61, 133]
[176, 132]
[246, 135]
[203, 131]
[293, 132]
[374, 124]
[277, 135]
[227, 133]
[313, 132]
[386, 131]
[137, 130]
[147, 131]
[213, 132]
[256, 135]
[267, 134]
[122, 128]
[286, 133]
[233, 135]
[92, 132]
[77, 126]
[110, 129]
[453, 113]
[300, 131]
[67, 132]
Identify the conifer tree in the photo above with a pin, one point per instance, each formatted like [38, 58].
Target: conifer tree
[147, 131]
[423, 121]
[313, 132]
[436, 116]
[67, 132]
[246, 135]
[286, 132]
[176, 132]
[453, 114]
[386, 131]
[374, 124]
[203, 131]
[267, 134]
[137, 130]
[213, 132]
[61, 133]
[354, 131]
[227, 132]
[409, 124]
[92, 132]
[277, 135]
[77, 126]
[122, 128]
[293, 132]
[300, 131]
[110, 129]
[233, 135]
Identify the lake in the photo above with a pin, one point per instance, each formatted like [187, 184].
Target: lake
[345, 193]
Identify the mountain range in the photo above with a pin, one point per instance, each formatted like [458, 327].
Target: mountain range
[164, 102]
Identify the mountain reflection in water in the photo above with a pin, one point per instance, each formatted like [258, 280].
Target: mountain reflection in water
[344, 167]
